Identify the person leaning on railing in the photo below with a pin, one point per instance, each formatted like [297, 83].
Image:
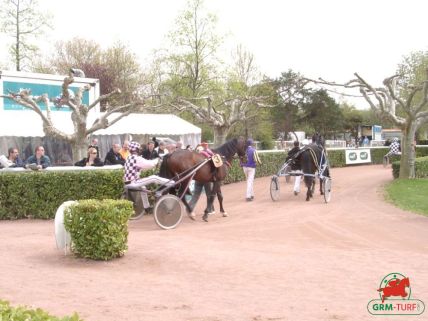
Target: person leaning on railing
[91, 160]
[39, 160]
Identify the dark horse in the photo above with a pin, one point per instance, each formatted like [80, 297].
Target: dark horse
[180, 162]
[313, 158]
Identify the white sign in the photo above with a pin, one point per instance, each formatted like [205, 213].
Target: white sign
[358, 156]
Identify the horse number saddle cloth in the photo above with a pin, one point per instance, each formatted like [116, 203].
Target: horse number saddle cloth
[217, 161]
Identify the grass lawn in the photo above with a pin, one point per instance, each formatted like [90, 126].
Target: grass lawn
[409, 194]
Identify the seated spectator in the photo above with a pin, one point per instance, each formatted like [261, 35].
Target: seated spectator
[94, 143]
[124, 151]
[91, 160]
[150, 152]
[12, 160]
[171, 148]
[113, 157]
[39, 160]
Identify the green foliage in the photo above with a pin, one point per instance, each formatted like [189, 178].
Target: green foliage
[421, 167]
[322, 113]
[409, 194]
[39, 194]
[23, 21]
[99, 228]
[20, 313]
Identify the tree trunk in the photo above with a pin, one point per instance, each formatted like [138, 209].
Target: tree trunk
[220, 134]
[408, 155]
[79, 149]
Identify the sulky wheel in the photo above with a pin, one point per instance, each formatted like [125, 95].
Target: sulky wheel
[327, 189]
[168, 211]
[274, 188]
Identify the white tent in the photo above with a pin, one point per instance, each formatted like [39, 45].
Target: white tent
[163, 125]
[17, 127]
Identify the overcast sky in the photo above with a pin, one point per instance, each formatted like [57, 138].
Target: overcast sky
[319, 38]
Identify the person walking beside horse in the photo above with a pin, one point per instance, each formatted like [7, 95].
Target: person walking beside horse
[249, 167]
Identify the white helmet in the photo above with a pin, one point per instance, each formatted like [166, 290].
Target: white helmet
[395, 139]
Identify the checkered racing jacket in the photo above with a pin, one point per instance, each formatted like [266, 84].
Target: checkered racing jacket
[394, 149]
[134, 164]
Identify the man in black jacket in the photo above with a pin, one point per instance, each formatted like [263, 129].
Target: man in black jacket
[150, 152]
[113, 157]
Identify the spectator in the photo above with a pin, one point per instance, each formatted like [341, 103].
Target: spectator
[91, 160]
[171, 148]
[94, 144]
[189, 147]
[38, 160]
[113, 157]
[150, 152]
[162, 151]
[249, 168]
[13, 159]
[366, 141]
[154, 140]
[124, 151]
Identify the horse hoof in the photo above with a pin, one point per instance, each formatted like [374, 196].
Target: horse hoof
[296, 193]
[192, 215]
[205, 217]
[225, 214]
[211, 213]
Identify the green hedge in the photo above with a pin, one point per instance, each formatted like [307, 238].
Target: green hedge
[98, 229]
[421, 168]
[39, 194]
[8, 313]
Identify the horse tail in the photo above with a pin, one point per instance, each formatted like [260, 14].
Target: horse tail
[307, 168]
[164, 170]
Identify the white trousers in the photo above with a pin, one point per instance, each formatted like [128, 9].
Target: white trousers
[249, 172]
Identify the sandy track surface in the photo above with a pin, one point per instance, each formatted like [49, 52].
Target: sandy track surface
[285, 260]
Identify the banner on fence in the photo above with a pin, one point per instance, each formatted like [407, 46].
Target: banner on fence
[358, 156]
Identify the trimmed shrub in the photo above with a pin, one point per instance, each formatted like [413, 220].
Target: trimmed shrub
[98, 229]
[421, 168]
[26, 314]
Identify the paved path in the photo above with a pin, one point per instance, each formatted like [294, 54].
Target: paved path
[288, 260]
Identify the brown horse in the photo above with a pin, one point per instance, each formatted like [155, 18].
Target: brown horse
[181, 162]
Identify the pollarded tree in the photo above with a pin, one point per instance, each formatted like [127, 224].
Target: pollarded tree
[408, 112]
[22, 20]
[192, 81]
[79, 114]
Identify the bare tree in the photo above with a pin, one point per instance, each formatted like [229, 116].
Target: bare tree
[407, 113]
[22, 20]
[79, 114]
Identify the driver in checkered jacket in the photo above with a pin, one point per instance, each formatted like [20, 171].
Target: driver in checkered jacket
[394, 148]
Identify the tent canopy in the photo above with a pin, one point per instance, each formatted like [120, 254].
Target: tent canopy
[26, 123]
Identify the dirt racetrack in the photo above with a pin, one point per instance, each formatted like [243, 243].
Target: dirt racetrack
[288, 260]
